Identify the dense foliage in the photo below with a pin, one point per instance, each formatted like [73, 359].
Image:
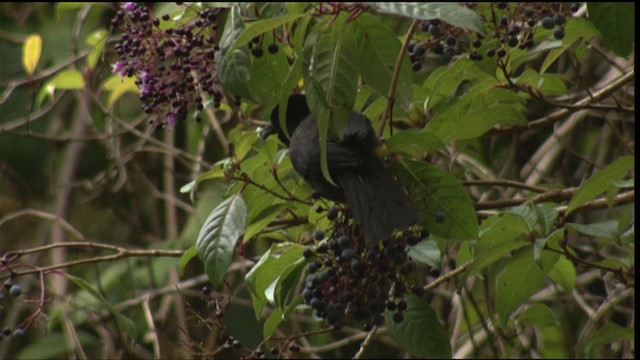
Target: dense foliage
[142, 215]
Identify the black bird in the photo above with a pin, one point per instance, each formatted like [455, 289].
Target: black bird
[378, 204]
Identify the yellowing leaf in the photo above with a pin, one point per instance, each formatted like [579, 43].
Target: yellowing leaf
[118, 85]
[31, 53]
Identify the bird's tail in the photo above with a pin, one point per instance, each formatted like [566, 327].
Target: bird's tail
[378, 204]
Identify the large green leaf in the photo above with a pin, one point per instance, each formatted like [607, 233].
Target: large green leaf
[218, 236]
[268, 73]
[233, 67]
[263, 277]
[616, 22]
[476, 112]
[519, 280]
[598, 183]
[434, 190]
[451, 13]
[330, 78]
[420, 333]
[378, 50]
[499, 236]
[260, 27]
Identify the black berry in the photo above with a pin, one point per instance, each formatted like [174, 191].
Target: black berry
[558, 34]
[16, 290]
[439, 217]
[548, 23]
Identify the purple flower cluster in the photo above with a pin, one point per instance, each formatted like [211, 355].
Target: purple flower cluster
[173, 61]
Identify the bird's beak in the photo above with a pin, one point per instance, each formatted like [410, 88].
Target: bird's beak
[267, 131]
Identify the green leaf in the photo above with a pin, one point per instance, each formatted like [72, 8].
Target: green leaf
[500, 229]
[243, 144]
[233, 68]
[476, 112]
[451, 13]
[616, 23]
[118, 86]
[434, 190]
[426, 252]
[125, 325]
[260, 27]
[420, 333]
[414, 142]
[378, 49]
[330, 79]
[261, 220]
[186, 257]
[537, 315]
[563, 273]
[599, 182]
[216, 172]
[218, 236]
[64, 80]
[268, 73]
[53, 346]
[519, 280]
[271, 323]
[610, 333]
[264, 275]
[605, 229]
[97, 40]
[550, 241]
[31, 51]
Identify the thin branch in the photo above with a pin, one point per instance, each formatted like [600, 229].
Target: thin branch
[44, 215]
[560, 114]
[365, 343]
[395, 76]
[505, 183]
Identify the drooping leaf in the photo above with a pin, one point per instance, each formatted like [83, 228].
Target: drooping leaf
[330, 79]
[451, 13]
[378, 49]
[233, 68]
[218, 236]
[421, 334]
[598, 183]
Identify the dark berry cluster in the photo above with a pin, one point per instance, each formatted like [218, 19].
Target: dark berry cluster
[13, 290]
[510, 25]
[173, 61]
[348, 282]
[256, 46]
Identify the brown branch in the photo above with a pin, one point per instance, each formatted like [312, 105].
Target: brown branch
[448, 276]
[560, 114]
[121, 253]
[505, 183]
[394, 77]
